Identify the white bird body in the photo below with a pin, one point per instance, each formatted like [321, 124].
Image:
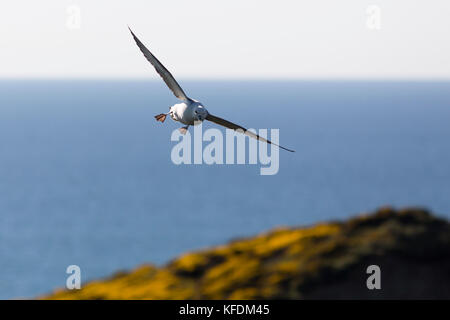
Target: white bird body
[178, 112]
[189, 111]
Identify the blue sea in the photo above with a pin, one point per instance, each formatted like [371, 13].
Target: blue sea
[86, 176]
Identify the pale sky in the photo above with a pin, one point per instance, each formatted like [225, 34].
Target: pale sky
[315, 39]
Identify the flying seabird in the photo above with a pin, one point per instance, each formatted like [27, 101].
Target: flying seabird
[189, 112]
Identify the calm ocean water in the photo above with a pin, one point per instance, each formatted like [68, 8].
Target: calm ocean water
[86, 176]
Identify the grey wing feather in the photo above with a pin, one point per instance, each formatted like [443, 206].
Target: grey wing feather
[162, 71]
[235, 127]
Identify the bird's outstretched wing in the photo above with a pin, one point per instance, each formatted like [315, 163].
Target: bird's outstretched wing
[235, 127]
[162, 71]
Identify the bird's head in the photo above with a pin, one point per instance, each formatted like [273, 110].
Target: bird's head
[200, 113]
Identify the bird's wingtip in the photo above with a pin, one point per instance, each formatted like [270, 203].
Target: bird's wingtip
[290, 150]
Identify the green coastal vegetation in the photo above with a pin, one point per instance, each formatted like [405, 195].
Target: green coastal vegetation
[325, 261]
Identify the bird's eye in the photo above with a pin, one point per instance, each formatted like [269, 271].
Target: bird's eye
[195, 111]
